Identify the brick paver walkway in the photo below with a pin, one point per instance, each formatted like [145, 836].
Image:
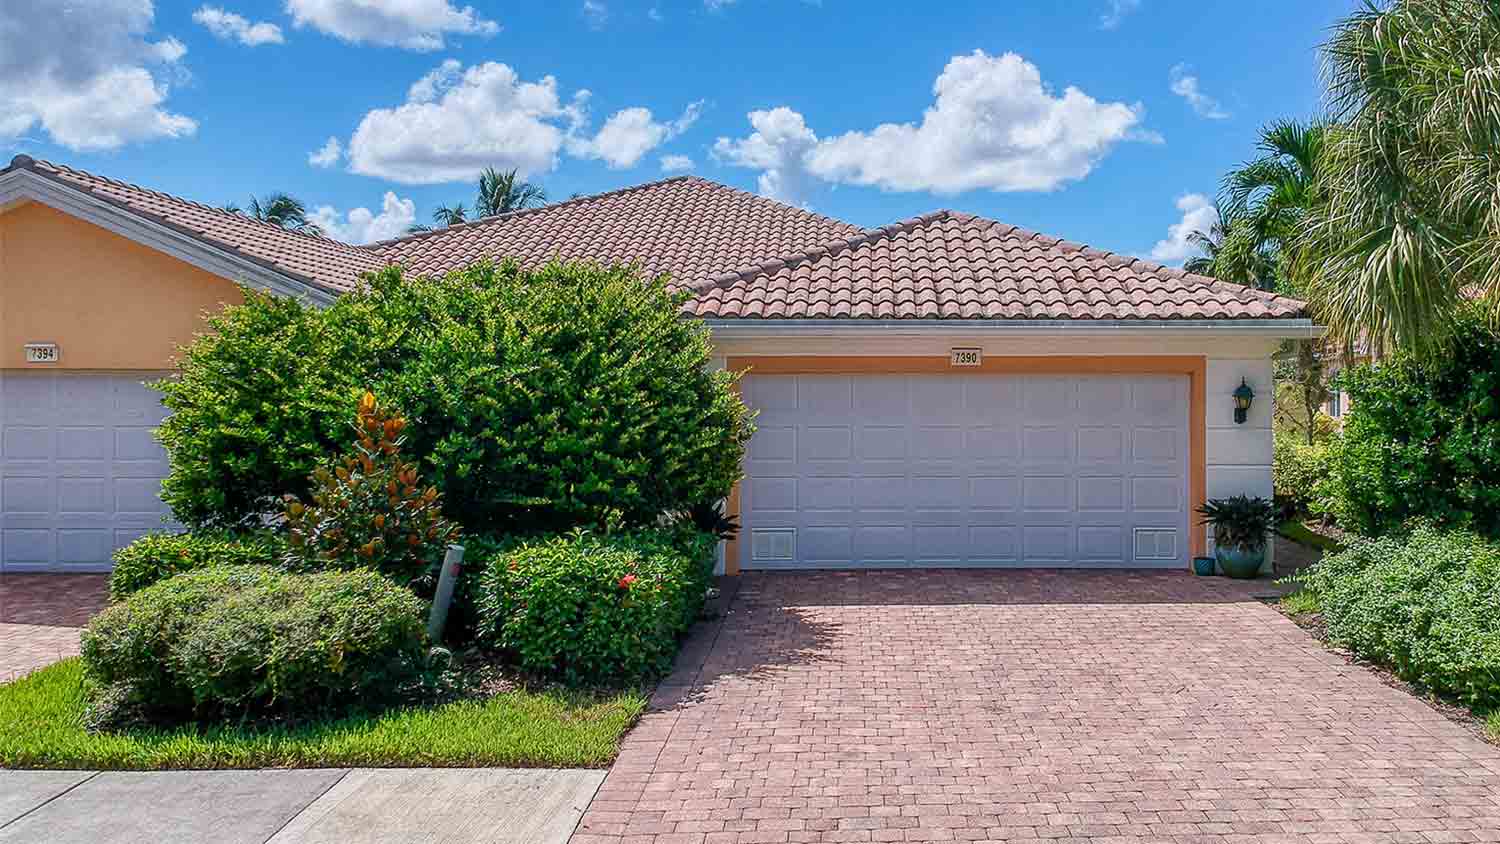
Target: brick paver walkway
[40, 618]
[1013, 706]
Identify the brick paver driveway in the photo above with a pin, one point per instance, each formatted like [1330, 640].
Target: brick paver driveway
[1004, 706]
[41, 616]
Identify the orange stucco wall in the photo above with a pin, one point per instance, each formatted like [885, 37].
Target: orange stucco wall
[106, 301]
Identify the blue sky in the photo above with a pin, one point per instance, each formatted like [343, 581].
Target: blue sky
[1094, 120]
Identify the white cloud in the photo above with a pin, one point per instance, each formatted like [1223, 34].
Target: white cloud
[458, 121]
[778, 148]
[994, 125]
[87, 73]
[1185, 84]
[1198, 215]
[411, 24]
[676, 164]
[326, 155]
[1117, 10]
[232, 27]
[361, 225]
[630, 133]
[595, 14]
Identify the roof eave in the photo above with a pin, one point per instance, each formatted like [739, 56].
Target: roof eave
[750, 328]
[24, 183]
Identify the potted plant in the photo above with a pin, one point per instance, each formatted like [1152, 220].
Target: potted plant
[1242, 526]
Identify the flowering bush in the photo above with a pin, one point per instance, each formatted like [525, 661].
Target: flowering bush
[593, 609]
[369, 510]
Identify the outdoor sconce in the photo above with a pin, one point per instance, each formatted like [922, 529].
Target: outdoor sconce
[1243, 396]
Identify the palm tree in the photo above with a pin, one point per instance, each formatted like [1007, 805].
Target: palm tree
[450, 215]
[1231, 252]
[280, 209]
[500, 193]
[1266, 203]
[1411, 225]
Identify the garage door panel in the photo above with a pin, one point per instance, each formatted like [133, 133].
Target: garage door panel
[966, 469]
[1156, 495]
[883, 543]
[1101, 444]
[1102, 494]
[995, 493]
[1102, 544]
[25, 442]
[82, 546]
[1048, 399]
[27, 495]
[1047, 543]
[80, 470]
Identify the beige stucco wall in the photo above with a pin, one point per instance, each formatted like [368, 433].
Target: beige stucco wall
[106, 301]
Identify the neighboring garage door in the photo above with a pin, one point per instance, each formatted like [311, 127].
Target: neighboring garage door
[966, 470]
[80, 473]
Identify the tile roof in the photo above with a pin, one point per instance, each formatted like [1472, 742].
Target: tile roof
[949, 265]
[690, 227]
[716, 241]
[327, 263]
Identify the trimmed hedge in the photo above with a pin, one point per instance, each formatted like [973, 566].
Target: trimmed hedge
[158, 556]
[593, 609]
[1426, 604]
[248, 640]
[537, 400]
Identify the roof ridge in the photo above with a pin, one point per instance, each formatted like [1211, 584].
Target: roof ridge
[579, 200]
[523, 212]
[1118, 259]
[29, 163]
[827, 248]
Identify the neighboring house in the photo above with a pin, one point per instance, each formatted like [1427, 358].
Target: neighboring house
[944, 391]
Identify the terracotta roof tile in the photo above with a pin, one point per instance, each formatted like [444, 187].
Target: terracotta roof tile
[689, 227]
[793, 264]
[950, 265]
[319, 260]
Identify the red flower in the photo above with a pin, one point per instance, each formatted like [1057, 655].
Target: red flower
[627, 581]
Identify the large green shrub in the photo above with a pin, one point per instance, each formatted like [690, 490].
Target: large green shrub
[1422, 439]
[158, 556]
[247, 640]
[369, 510]
[1299, 471]
[594, 609]
[1427, 604]
[568, 395]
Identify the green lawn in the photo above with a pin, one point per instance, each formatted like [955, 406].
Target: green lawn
[41, 717]
[1300, 602]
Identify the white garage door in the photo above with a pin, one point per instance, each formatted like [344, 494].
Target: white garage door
[966, 470]
[79, 470]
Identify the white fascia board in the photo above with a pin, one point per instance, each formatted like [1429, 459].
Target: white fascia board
[19, 185]
[752, 329]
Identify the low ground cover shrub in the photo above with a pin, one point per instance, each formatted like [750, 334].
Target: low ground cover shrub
[537, 400]
[248, 641]
[1421, 439]
[591, 608]
[1427, 604]
[158, 556]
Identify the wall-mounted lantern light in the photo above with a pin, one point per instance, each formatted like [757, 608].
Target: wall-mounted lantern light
[1243, 396]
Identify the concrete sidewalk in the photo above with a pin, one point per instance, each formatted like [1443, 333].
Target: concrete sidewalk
[362, 806]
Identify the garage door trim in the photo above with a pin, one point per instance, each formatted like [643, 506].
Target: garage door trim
[1193, 366]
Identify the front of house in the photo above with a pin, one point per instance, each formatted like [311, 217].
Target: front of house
[944, 391]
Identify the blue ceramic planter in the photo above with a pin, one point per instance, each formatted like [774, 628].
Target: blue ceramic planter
[1204, 566]
[1240, 563]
